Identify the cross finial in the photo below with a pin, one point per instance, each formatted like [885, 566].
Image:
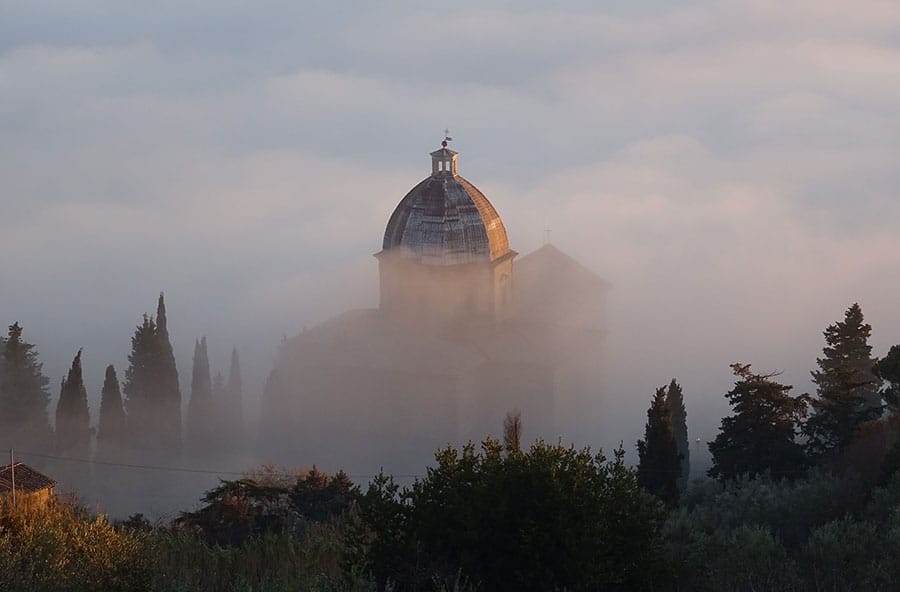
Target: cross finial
[546, 234]
[447, 137]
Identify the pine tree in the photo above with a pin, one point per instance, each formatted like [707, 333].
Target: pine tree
[847, 386]
[675, 404]
[200, 418]
[73, 420]
[112, 431]
[659, 465]
[23, 395]
[760, 436]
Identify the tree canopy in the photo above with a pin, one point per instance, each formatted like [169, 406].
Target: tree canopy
[760, 437]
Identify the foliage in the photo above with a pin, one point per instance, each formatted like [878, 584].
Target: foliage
[675, 403]
[659, 465]
[236, 511]
[760, 436]
[548, 518]
[153, 398]
[23, 394]
[847, 386]
[888, 369]
[62, 548]
[73, 421]
[112, 430]
[200, 413]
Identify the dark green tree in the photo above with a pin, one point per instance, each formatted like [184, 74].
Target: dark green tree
[675, 403]
[153, 398]
[200, 420]
[112, 429]
[141, 389]
[548, 518]
[659, 464]
[846, 384]
[234, 392]
[73, 420]
[169, 390]
[888, 369]
[23, 395]
[760, 436]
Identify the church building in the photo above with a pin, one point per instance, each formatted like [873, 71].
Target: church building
[464, 333]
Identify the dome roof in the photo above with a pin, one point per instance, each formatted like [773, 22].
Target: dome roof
[445, 220]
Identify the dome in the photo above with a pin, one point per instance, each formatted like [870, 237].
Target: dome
[445, 220]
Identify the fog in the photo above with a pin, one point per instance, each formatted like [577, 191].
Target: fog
[729, 168]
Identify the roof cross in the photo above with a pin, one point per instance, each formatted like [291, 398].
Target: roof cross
[447, 137]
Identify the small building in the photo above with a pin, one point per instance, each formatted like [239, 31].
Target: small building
[32, 487]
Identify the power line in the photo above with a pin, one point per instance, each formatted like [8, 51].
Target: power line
[187, 469]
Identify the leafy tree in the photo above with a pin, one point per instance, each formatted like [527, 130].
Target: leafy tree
[549, 518]
[760, 436]
[848, 388]
[23, 394]
[659, 465]
[112, 430]
[73, 420]
[200, 420]
[888, 369]
[675, 403]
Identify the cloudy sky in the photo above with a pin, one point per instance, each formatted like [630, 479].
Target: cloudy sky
[732, 167]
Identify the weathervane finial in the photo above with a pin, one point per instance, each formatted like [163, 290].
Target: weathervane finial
[447, 137]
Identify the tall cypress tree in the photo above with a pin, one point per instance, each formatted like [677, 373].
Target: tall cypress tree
[659, 466]
[847, 386]
[73, 420]
[140, 387]
[200, 418]
[167, 377]
[23, 395]
[761, 435]
[112, 429]
[153, 397]
[675, 403]
[234, 391]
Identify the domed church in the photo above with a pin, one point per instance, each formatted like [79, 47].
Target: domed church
[461, 336]
[445, 249]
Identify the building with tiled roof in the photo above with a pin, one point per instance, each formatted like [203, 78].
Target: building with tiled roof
[30, 484]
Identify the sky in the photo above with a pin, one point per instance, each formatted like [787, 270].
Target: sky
[731, 167]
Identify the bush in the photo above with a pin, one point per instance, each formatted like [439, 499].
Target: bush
[60, 547]
[551, 518]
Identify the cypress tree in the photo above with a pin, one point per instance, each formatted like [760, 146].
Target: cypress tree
[112, 431]
[153, 397]
[234, 391]
[847, 386]
[760, 436]
[200, 418]
[169, 390]
[73, 420]
[675, 404]
[659, 466]
[23, 395]
[140, 386]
